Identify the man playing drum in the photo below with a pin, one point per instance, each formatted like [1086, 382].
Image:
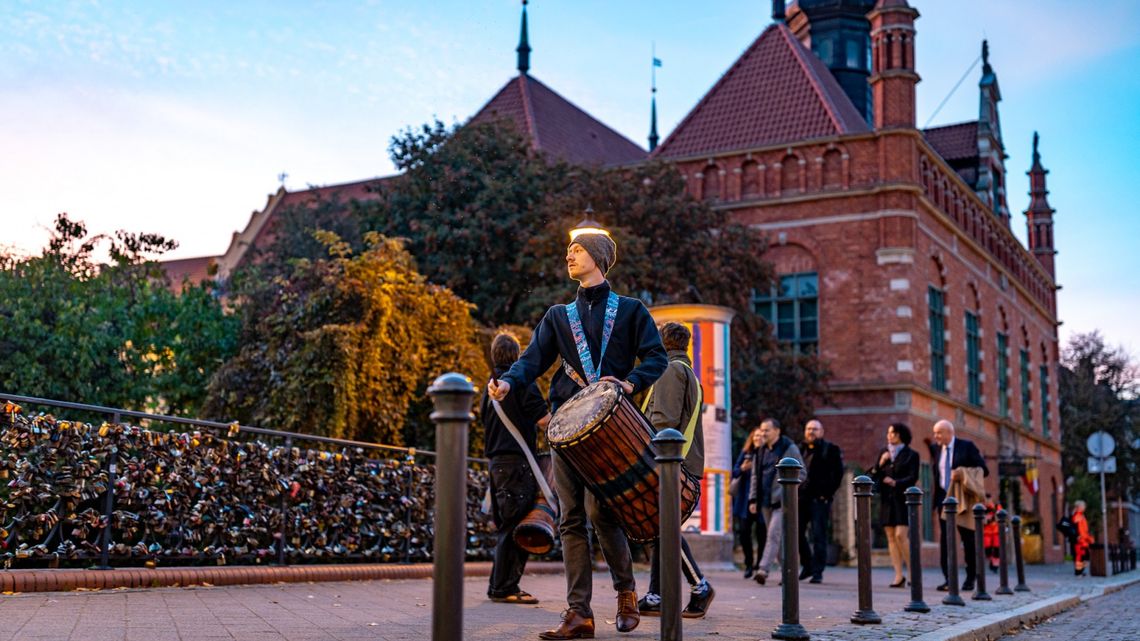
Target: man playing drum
[600, 336]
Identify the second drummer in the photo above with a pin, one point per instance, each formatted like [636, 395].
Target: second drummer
[600, 336]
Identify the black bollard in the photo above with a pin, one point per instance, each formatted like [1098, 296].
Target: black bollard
[1003, 552]
[980, 593]
[1002, 517]
[950, 515]
[451, 394]
[788, 471]
[668, 443]
[914, 520]
[866, 612]
[1020, 587]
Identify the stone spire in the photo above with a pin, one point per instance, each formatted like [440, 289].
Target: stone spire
[524, 46]
[893, 77]
[990, 185]
[1039, 215]
[779, 13]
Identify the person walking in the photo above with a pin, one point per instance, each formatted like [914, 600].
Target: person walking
[748, 524]
[513, 486]
[598, 336]
[675, 401]
[1082, 540]
[894, 471]
[959, 470]
[823, 464]
[765, 495]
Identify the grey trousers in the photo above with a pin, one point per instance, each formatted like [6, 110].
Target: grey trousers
[577, 504]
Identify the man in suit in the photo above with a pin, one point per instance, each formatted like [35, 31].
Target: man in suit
[824, 463]
[949, 453]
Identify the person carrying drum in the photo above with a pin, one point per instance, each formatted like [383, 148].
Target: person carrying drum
[675, 401]
[600, 336]
[513, 486]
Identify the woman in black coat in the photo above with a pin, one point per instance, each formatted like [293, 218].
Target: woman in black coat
[747, 524]
[896, 470]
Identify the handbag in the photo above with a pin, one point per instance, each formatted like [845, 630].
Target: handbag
[734, 486]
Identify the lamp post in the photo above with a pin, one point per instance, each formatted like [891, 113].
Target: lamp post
[588, 225]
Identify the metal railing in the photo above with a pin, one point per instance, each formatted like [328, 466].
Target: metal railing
[70, 488]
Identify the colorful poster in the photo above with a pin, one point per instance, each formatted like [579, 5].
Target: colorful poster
[709, 351]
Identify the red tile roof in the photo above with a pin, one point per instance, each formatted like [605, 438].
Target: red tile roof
[557, 126]
[193, 270]
[954, 142]
[777, 91]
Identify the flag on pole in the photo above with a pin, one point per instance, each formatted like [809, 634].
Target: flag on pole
[656, 62]
[1030, 479]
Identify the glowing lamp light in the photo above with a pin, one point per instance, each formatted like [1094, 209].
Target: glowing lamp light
[588, 226]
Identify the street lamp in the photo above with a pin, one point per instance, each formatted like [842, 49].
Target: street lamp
[588, 225]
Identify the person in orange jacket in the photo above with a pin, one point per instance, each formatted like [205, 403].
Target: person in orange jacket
[1084, 539]
[990, 534]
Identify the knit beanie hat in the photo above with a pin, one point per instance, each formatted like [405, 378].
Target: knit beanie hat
[600, 247]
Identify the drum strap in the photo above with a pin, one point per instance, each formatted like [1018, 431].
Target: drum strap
[584, 355]
[691, 428]
[538, 475]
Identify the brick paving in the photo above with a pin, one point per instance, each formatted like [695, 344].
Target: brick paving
[1111, 618]
[400, 610]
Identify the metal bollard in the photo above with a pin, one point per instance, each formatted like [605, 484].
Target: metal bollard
[788, 474]
[950, 515]
[1020, 587]
[914, 520]
[668, 443]
[980, 593]
[451, 394]
[1003, 552]
[866, 612]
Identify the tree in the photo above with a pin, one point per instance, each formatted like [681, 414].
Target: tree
[1098, 388]
[345, 345]
[487, 215]
[113, 334]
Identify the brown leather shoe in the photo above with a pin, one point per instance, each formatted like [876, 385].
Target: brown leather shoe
[573, 626]
[627, 614]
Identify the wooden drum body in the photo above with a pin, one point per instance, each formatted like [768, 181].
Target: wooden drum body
[607, 441]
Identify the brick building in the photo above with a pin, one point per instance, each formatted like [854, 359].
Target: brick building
[893, 244]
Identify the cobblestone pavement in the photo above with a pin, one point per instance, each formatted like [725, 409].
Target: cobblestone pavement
[1111, 618]
[400, 610]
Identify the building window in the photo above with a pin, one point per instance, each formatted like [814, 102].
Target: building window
[973, 360]
[792, 308]
[937, 340]
[1003, 375]
[1026, 408]
[1044, 376]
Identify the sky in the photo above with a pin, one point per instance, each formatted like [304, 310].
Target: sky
[180, 118]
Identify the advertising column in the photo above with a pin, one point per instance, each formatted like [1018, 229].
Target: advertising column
[709, 351]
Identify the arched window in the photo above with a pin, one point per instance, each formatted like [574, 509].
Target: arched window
[790, 171]
[749, 180]
[710, 187]
[832, 169]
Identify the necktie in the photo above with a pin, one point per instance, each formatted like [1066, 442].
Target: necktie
[946, 467]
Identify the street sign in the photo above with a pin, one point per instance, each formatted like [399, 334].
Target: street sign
[1101, 444]
[1098, 465]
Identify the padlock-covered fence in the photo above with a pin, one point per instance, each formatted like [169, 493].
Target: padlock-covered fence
[210, 493]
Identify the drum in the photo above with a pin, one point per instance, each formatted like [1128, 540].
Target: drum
[603, 437]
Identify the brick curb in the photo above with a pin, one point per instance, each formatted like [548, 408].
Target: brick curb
[995, 626]
[67, 580]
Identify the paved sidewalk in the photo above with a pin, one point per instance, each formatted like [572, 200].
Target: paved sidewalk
[1112, 618]
[400, 610]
